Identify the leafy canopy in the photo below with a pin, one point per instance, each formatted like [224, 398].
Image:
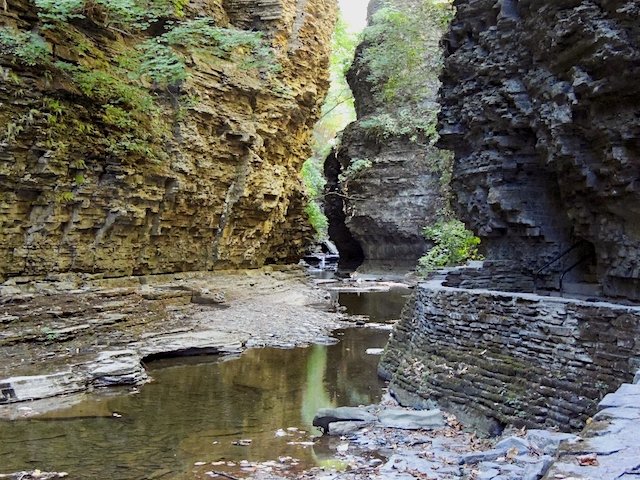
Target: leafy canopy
[403, 59]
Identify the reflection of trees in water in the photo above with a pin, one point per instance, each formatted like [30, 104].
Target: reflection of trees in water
[351, 373]
[174, 421]
[315, 394]
[378, 306]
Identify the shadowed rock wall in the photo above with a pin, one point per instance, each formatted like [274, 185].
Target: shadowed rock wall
[224, 192]
[384, 206]
[541, 105]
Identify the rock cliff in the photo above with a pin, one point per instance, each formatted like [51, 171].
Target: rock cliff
[105, 171]
[383, 183]
[541, 105]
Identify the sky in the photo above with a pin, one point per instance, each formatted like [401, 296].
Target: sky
[354, 12]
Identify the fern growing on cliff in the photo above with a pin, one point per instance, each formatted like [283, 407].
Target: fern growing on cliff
[162, 61]
[124, 15]
[28, 48]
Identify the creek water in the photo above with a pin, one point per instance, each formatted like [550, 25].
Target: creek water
[197, 409]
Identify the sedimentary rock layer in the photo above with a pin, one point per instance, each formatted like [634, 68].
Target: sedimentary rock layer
[220, 187]
[541, 105]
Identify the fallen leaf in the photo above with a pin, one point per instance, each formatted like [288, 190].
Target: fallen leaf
[512, 453]
[590, 460]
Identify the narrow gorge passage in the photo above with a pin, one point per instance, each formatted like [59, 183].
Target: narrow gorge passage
[171, 169]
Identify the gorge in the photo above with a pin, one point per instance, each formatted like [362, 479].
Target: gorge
[151, 206]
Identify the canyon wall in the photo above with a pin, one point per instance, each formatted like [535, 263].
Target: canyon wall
[105, 172]
[541, 105]
[383, 182]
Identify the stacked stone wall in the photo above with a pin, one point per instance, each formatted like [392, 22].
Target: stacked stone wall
[519, 358]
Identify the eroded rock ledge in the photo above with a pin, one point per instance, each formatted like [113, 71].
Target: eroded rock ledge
[540, 103]
[79, 334]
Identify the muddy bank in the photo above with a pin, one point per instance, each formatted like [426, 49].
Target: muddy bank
[71, 334]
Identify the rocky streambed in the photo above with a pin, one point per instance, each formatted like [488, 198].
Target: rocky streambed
[252, 417]
[71, 334]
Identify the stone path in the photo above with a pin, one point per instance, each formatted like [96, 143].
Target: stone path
[610, 446]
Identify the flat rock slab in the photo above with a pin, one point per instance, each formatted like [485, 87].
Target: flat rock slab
[348, 418]
[411, 419]
[610, 449]
[192, 343]
[33, 387]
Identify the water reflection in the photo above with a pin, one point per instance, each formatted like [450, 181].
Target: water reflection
[194, 411]
[378, 306]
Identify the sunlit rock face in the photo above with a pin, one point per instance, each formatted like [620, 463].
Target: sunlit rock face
[541, 105]
[224, 190]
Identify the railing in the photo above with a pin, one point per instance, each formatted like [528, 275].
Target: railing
[536, 275]
[590, 256]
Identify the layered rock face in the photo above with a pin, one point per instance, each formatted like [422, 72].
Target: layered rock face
[540, 103]
[377, 212]
[80, 190]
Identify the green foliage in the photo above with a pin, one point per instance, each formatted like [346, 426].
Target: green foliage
[337, 112]
[317, 219]
[355, 169]
[133, 125]
[124, 15]
[403, 59]
[454, 245]
[162, 61]
[401, 122]
[29, 48]
[65, 197]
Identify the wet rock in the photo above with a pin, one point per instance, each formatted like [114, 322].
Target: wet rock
[326, 416]
[345, 428]
[34, 475]
[20, 389]
[411, 419]
[121, 367]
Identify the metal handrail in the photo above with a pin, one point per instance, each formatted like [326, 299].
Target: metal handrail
[567, 251]
[583, 259]
[554, 260]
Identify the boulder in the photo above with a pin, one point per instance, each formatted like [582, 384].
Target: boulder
[326, 416]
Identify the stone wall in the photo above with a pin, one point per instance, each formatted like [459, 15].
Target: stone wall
[518, 358]
[222, 186]
[540, 104]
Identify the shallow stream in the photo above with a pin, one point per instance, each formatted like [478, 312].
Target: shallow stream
[197, 409]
